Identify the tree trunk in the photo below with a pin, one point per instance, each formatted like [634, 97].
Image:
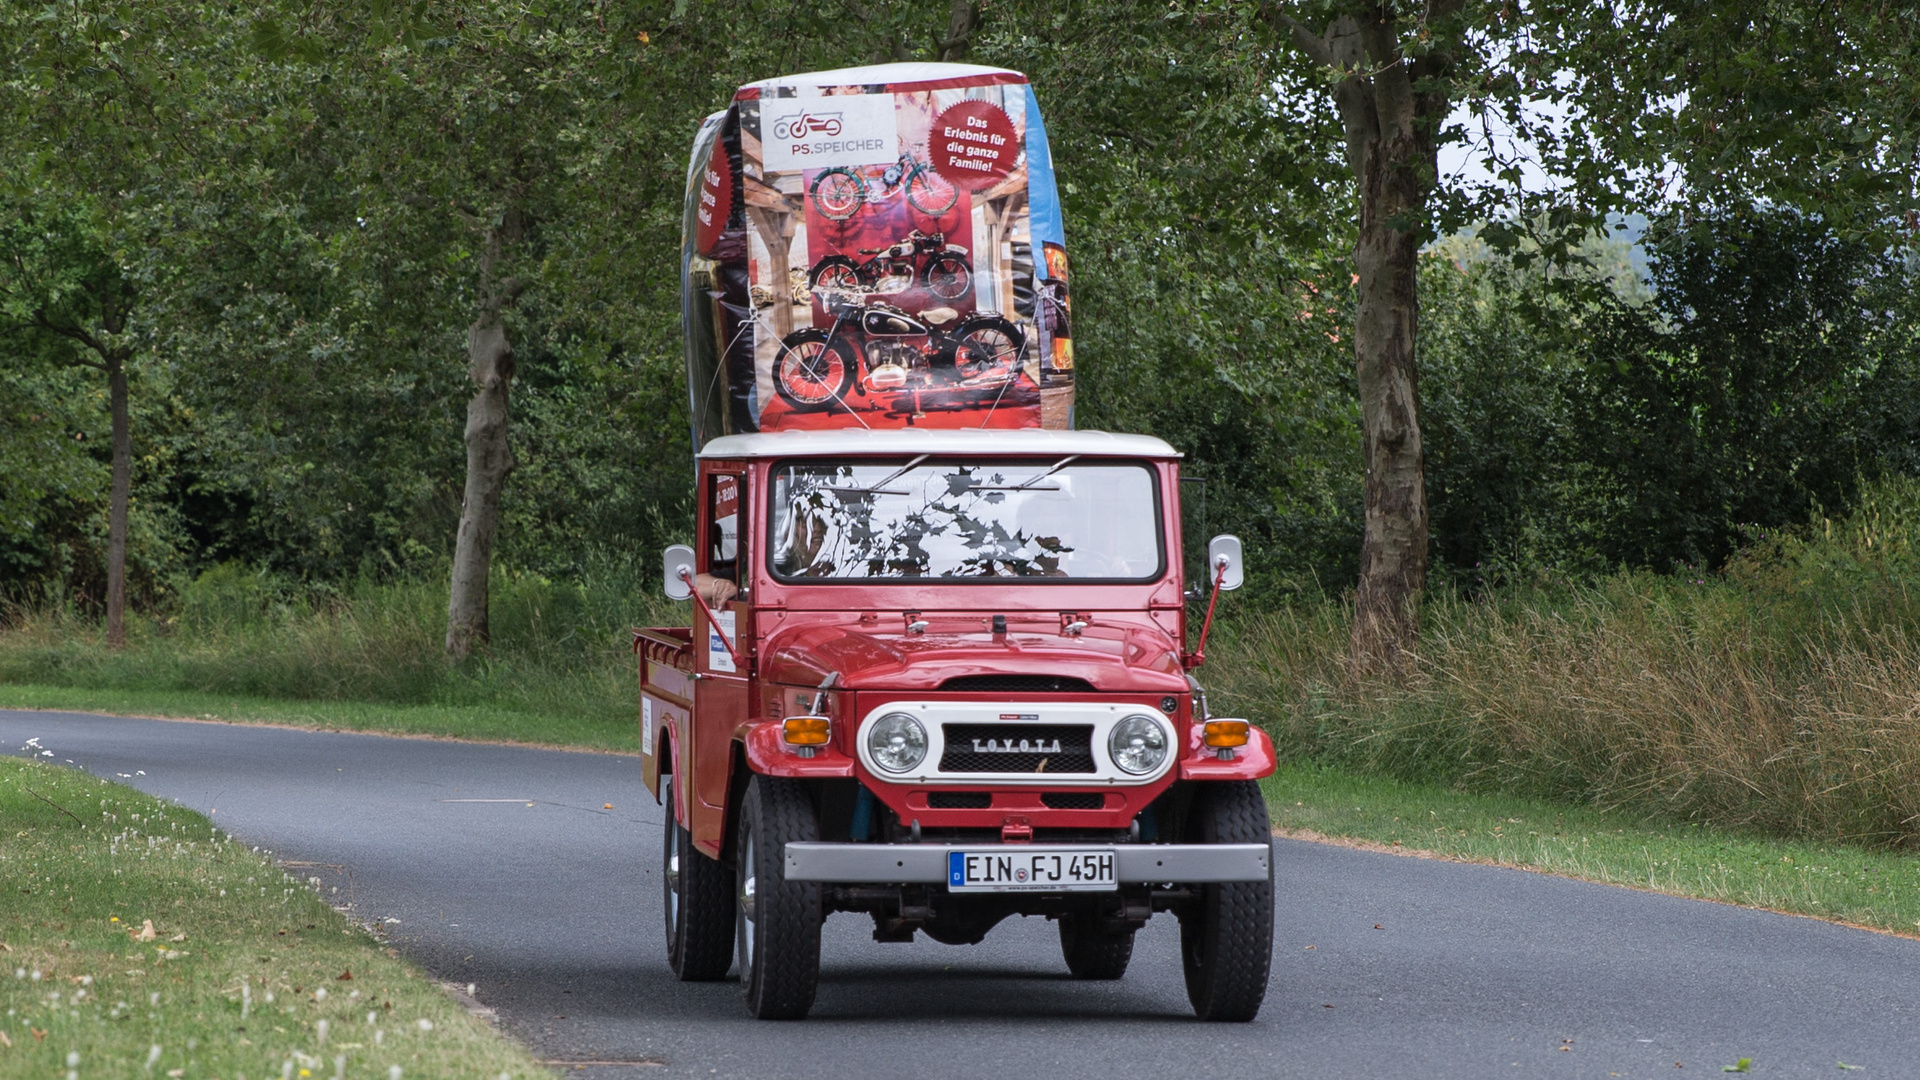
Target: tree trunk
[116, 365]
[1393, 554]
[489, 460]
[963, 18]
[1390, 109]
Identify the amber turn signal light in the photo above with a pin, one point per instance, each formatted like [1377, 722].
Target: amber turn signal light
[1222, 733]
[808, 730]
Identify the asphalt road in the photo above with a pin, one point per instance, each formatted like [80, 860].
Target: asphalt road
[1384, 966]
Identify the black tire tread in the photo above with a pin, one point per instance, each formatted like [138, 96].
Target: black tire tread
[702, 948]
[1231, 925]
[787, 913]
[1091, 954]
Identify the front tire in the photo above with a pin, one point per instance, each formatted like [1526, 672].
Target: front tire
[698, 898]
[838, 194]
[835, 273]
[947, 277]
[1226, 935]
[779, 920]
[811, 373]
[1091, 952]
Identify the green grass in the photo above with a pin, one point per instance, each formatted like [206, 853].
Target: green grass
[1775, 698]
[366, 655]
[1842, 882]
[244, 973]
[480, 722]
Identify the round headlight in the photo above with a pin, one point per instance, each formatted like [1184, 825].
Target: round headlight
[1138, 744]
[897, 742]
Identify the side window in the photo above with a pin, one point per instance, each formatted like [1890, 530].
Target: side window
[723, 541]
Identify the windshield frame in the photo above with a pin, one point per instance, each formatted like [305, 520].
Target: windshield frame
[1041, 464]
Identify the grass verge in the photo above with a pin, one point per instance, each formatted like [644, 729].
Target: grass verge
[484, 723]
[1879, 890]
[246, 972]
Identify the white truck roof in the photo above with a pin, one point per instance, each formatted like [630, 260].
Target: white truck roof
[964, 442]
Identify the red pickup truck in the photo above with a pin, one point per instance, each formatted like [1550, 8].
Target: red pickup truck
[941, 678]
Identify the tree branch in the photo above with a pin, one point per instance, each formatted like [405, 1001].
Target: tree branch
[1318, 49]
[1392, 86]
[79, 334]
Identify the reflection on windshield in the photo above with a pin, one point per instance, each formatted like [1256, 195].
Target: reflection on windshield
[1028, 519]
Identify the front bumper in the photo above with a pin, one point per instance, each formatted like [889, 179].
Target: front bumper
[912, 864]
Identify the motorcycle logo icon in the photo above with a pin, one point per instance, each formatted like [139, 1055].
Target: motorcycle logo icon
[805, 124]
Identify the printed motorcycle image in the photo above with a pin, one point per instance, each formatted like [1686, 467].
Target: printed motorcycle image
[799, 127]
[840, 192]
[921, 257]
[875, 347]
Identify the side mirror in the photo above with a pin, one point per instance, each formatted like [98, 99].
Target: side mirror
[1224, 551]
[678, 557]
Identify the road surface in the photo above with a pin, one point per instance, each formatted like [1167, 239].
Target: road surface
[1384, 966]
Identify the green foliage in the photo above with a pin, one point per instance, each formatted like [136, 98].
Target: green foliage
[562, 653]
[1740, 396]
[1775, 698]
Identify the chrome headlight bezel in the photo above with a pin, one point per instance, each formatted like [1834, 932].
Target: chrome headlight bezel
[1156, 744]
[884, 755]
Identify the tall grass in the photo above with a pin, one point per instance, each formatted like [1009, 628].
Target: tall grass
[558, 648]
[1781, 696]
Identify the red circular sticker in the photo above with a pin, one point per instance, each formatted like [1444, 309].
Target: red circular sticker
[715, 200]
[973, 144]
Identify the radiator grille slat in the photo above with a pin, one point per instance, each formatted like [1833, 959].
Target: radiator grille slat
[967, 751]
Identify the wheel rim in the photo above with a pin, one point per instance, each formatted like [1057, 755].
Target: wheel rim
[838, 276]
[983, 350]
[947, 279]
[813, 372]
[670, 866]
[931, 196]
[746, 905]
[837, 195]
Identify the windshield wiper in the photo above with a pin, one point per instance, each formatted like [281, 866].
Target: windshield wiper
[1028, 484]
[878, 487]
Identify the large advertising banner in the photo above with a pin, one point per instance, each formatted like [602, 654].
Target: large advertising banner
[876, 247]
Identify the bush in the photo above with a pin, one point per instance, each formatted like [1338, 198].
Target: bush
[1782, 696]
[557, 648]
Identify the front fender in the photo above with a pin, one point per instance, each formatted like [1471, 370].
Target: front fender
[768, 754]
[1249, 762]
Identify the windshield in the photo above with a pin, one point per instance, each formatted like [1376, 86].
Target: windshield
[1040, 518]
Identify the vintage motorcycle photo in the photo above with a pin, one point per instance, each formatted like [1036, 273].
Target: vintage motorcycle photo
[874, 346]
[840, 192]
[923, 258]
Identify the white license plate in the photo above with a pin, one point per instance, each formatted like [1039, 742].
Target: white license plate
[1002, 870]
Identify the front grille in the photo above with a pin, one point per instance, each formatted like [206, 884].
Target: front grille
[1018, 684]
[1073, 800]
[966, 753]
[960, 800]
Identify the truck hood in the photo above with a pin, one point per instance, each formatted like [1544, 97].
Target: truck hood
[1113, 658]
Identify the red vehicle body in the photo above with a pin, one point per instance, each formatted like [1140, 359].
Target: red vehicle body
[780, 746]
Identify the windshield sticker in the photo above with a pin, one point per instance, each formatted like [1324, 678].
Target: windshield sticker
[965, 520]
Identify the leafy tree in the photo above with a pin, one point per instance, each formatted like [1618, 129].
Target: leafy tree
[59, 281]
[1738, 397]
[1721, 103]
